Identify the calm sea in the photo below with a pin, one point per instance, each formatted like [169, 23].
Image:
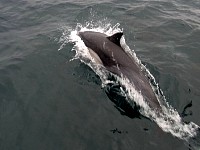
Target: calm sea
[48, 102]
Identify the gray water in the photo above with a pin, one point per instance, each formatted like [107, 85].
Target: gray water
[50, 102]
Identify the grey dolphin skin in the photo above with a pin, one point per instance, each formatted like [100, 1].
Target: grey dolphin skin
[106, 50]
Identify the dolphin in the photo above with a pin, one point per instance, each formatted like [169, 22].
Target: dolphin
[107, 51]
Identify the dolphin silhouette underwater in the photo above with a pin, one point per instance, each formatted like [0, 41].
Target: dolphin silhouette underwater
[107, 51]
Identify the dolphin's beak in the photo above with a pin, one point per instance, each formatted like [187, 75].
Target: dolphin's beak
[80, 34]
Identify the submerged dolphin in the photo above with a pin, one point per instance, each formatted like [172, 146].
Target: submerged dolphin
[107, 51]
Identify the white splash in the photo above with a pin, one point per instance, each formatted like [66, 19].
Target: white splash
[168, 120]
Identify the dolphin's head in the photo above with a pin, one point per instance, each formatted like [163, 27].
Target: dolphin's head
[95, 38]
[107, 48]
[95, 41]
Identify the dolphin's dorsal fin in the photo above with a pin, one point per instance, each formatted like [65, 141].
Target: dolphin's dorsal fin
[115, 38]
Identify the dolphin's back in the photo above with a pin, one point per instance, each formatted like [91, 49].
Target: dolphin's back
[110, 53]
[117, 61]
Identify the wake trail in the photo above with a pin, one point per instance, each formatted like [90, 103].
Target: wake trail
[168, 119]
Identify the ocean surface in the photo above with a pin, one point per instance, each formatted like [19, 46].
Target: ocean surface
[48, 102]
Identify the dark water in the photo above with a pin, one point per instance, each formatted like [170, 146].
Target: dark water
[47, 102]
